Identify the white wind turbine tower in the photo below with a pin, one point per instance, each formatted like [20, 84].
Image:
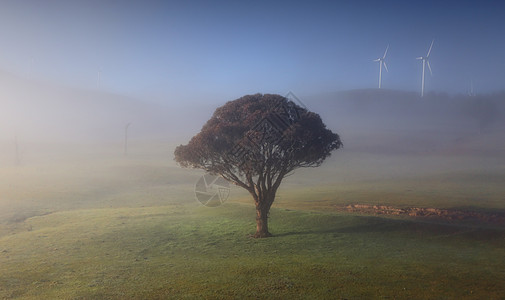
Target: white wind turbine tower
[470, 92]
[382, 61]
[426, 61]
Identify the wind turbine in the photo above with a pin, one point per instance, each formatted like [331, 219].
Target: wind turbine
[382, 61]
[426, 61]
[470, 92]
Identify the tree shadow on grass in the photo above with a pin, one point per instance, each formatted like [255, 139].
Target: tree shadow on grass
[411, 228]
[371, 224]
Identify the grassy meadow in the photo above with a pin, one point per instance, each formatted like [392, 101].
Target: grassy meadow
[129, 227]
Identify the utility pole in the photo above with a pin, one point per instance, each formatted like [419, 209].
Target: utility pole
[126, 138]
[18, 159]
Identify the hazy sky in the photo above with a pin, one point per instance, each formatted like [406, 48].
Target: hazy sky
[224, 49]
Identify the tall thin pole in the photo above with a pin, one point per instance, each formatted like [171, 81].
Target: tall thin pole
[422, 81]
[126, 138]
[18, 159]
[380, 73]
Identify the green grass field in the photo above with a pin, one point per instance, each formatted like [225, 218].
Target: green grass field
[130, 228]
[185, 251]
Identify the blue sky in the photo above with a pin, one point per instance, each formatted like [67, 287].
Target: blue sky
[198, 50]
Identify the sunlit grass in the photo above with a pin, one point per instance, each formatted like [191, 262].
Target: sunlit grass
[190, 251]
[129, 227]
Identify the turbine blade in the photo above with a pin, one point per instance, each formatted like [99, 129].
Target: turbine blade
[429, 51]
[385, 66]
[429, 67]
[385, 52]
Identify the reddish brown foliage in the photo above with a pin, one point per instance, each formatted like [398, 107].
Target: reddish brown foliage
[254, 142]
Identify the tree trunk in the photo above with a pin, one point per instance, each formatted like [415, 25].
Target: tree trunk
[262, 221]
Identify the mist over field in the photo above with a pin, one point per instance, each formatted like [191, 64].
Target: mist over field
[52, 116]
[99, 101]
[388, 135]
[396, 121]
[49, 119]
[65, 168]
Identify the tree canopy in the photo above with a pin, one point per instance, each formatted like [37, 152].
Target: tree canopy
[254, 142]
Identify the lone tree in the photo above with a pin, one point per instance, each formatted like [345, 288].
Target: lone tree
[254, 142]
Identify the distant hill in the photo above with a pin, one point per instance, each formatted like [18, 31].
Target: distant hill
[400, 105]
[369, 119]
[402, 121]
[44, 112]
